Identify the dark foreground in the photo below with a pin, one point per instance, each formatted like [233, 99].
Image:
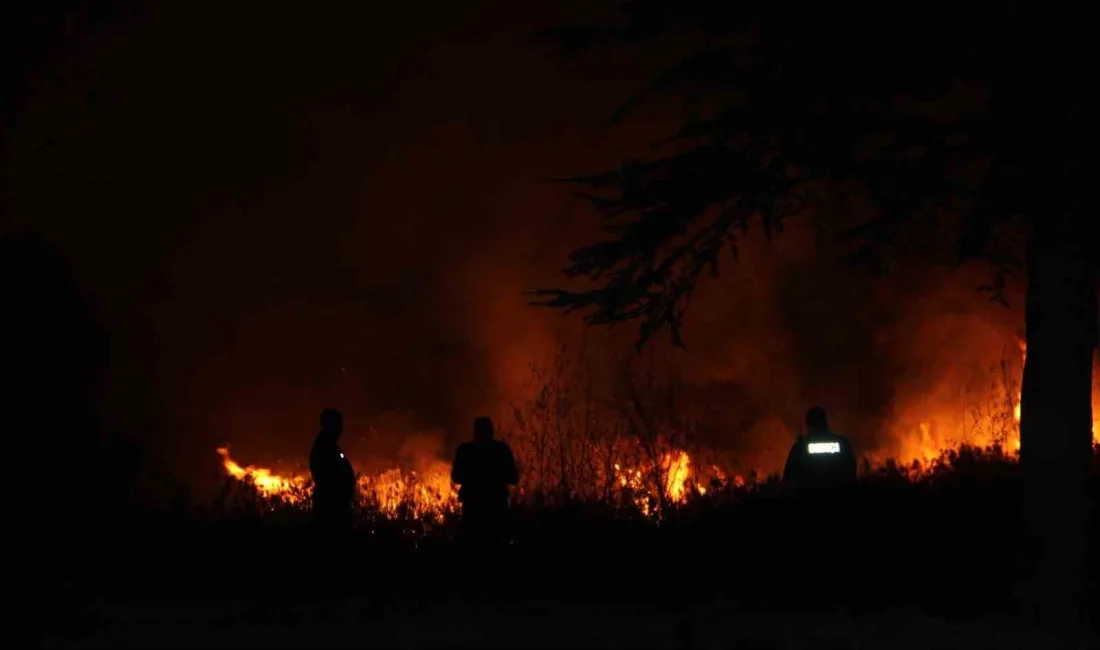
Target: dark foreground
[534, 624]
[895, 565]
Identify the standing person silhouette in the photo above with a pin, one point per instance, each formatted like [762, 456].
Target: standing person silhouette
[484, 468]
[333, 476]
[820, 469]
[821, 459]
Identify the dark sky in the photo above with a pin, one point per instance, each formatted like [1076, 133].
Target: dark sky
[276, 209]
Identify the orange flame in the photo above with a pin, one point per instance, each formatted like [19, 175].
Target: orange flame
[677, 475]
[428, 491]
[425, 494]
[994, 421]
[1019, 394]
[267, 482]
[995, 426]
[430, 494]
[1095, 401]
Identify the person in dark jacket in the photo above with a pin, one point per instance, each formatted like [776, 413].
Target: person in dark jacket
[333, 475]
[484, 468]
[820, 459]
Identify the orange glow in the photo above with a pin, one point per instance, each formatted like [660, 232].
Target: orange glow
[1019, 394]
[942, 430]
[676, 475]
[922, 433]
[939, 424]
[289, 488]
[1096, 400]
[427, 494]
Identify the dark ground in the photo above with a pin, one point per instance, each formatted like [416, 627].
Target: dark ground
[896, 565]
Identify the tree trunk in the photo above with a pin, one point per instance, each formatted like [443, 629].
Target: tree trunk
[1056, 418]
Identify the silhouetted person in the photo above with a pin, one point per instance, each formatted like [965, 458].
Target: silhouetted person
[333, 476]
[484, 468]
[820, 459]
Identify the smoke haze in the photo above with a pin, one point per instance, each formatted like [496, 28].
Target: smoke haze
[346, 211]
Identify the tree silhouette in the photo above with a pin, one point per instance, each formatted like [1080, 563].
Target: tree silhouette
[965, 129]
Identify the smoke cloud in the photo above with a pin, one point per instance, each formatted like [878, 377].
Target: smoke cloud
[346, 213]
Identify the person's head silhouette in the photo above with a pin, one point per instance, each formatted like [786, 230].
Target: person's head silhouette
[816, 420]
[483, 429]
[332, 423]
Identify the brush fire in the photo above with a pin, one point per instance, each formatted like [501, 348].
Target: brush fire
[671, 478]
[430, 494]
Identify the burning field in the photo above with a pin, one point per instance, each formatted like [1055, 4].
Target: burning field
[431, 495]
[638, 465]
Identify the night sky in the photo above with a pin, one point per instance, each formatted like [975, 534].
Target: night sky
[275, 211]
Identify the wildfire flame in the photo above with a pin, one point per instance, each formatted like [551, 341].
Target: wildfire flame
[1095, 402]
[268, 483]
[672, 479]
[430, 494]
[1019, 394]
[421, 494]
[934, 441]
[676, 476]
[999, 426]
[426, 493]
